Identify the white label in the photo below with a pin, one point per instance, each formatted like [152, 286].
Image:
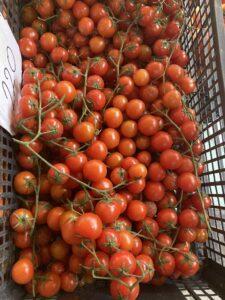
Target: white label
[10, 74]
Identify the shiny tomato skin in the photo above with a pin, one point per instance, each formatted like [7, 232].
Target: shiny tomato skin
[137, 246]
[188, 218]
[108, 211]
[165, 264]
[167, 218]
[23, 271]
[144, 265]
[120, 290]
[21, 220]
[88, 225]
[50, 286]
[69, 282]
[154, 191]
[136, 210]
[122, 260]
[109, 241]
[187, 263]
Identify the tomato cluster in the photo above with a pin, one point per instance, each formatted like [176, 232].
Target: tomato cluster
[109, 150]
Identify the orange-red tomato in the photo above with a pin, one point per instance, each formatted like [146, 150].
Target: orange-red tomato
[23, 271]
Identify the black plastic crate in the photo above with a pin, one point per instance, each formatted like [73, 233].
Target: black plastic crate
[204, 41]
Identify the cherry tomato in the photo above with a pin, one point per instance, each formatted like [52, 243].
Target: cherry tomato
[24, 183]
[106, 27]
[108, 210]
[148, 227]
[122, 262]
[136, 210]
[187, 182]
[170, 159]
[187, 263]
[154, 191]
[84, 132]
[69, 282]
[59, 250]
[188, 218]
[88, 225]
[165, 264]
[58, 174]
[28, 47]
[50, 285]
[118, 289]
[99, 266]
[22, 240]
[109, 241]
[145, 268]
[53, 218]
[167, 218]
[23, 271]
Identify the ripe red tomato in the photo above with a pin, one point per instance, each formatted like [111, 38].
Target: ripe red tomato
[53, 218]
[172, 100]
[145, 268]
[109, 241]
[21, 240]
[121, 223]
[58, 174]
[156, 172]
[168, 201]
[94, 170]
[201, 235]
[88, 225]
[165, 264]
[154, 191]
[129, 291]
[21, 220]
[96, 99]
[50, 285]
[122, 262]
[66, 91]
[28, 47]
[161, 141]
[75, 264]
[148, 125]
[187, 263]
[148, 227]
[69, 282]
[76, 162]
[155, 70]
[187, 182]
[175, 73]
[170, 159]
[199, 204]
[48, 41]
[188, 218]
[51, 128]
[167, 218]
[136, 210]
[59, 250]
[100, 266]
[23, 271]
[187, 234]
[84, 132]
[106, 27]
[189, 130]
[108, 210]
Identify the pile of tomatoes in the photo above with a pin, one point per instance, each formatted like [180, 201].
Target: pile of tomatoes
[109, 152]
